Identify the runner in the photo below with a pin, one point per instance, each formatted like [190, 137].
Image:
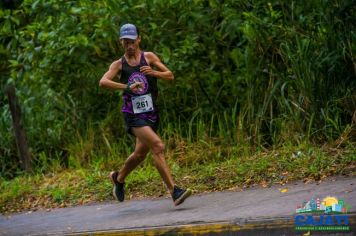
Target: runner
[138, 71]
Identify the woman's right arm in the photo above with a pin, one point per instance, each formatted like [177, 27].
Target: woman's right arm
[107, 80]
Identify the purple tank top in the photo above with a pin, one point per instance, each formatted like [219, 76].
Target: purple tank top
[143, 103]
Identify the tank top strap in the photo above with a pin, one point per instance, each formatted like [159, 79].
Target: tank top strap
[143, 61]
[123, 60]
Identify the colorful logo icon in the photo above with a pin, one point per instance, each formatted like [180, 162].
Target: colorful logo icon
[139, 77]
[327, 214]
[328, 205]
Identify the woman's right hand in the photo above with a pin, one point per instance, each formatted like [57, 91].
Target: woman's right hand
[136, 87]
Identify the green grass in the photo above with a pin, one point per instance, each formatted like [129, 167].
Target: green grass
[232, 167]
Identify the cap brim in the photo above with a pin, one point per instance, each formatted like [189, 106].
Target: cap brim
[129, 37]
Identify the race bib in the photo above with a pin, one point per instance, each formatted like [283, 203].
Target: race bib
[142, 103]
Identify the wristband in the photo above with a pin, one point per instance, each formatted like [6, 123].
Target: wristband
[127, 89]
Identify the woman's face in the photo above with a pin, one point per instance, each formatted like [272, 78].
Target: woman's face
[131, 45]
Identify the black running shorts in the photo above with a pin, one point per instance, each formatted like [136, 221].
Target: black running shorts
[132, 120]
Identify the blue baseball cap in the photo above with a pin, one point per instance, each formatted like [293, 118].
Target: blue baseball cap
[128, 31]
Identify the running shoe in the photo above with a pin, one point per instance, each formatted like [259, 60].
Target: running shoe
[118, 190]
[179, 195]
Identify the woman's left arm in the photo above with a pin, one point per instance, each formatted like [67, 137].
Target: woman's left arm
[163, 72]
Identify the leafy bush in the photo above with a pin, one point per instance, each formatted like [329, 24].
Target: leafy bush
[246, 71]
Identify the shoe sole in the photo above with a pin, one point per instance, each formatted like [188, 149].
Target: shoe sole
[113, 182]
[184, 196]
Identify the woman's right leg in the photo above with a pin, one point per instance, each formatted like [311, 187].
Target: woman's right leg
[133, 160]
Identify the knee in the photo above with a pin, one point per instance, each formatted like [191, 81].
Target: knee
[158, 147]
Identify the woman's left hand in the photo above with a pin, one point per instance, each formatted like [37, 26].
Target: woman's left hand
[147, 70]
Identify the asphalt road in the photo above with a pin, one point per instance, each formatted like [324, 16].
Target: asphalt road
[230, 206]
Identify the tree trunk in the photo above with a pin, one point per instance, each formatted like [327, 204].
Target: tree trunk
[25, 157]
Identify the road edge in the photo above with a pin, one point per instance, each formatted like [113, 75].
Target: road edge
[284, 225]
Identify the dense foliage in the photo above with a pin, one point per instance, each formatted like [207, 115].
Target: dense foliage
[247, 72]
